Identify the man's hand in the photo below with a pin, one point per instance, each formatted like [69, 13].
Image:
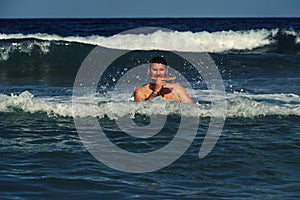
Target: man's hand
[158, 85]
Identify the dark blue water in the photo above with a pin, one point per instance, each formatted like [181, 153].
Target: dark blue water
[256, 156]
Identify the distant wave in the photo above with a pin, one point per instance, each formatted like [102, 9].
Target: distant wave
[213, 42]
[238, 106]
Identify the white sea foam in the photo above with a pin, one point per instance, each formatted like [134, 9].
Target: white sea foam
[238, 105]
[218, 41]
[23, 47]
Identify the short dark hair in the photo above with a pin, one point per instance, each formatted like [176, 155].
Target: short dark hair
[159, 59]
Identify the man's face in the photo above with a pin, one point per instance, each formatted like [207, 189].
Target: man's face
[157, 70]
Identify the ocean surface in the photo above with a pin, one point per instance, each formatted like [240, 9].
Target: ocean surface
[257, 155]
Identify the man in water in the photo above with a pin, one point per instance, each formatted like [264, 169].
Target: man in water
[158, 71]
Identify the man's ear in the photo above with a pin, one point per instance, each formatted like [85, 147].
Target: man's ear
[149, 68]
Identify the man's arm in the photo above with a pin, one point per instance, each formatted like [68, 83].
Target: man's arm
[139, 94]
[145, 93]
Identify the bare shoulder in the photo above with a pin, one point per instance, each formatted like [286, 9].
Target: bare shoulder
[181, 93]
[177, 86]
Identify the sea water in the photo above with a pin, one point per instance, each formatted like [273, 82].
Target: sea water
[256, 156]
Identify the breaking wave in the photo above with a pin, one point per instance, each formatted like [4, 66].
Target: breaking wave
[238, 106]
[213, 42]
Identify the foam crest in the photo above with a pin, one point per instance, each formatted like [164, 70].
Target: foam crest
[235, 40]
[26, 102]
[24, 47]
[238, 106]
[219, 41]
[243, 106]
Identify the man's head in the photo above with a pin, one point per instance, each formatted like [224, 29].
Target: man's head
[158, 67]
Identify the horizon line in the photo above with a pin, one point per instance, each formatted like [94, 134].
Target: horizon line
[144, 17]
